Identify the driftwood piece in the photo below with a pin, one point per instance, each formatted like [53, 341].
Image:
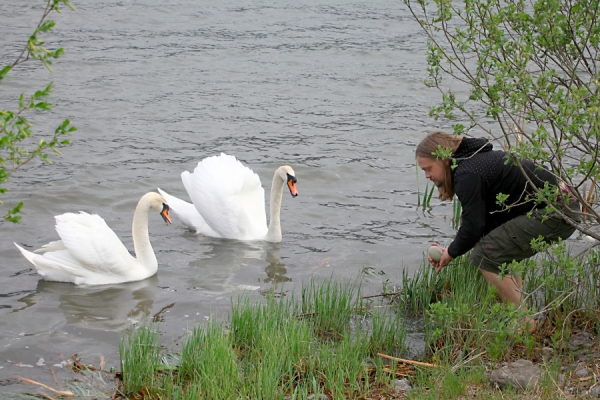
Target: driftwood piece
[412, 362]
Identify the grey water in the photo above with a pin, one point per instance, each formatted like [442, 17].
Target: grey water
[332, 88]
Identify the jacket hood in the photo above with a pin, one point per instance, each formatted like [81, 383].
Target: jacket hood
[471, 146]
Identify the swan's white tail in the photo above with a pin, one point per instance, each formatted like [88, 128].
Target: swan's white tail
[51, 269]
[27, 254]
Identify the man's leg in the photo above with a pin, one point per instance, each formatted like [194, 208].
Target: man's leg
[509, 290]
[511, 241]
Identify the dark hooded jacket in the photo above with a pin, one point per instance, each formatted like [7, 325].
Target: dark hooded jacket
[481, 174]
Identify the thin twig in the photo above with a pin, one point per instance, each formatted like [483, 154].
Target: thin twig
[419, 363]
[62, 393]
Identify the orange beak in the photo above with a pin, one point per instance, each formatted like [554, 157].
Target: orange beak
[165, 213]
[292, 185]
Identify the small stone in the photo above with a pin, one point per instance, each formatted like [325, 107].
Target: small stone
[547, 353]
[521, 374]
[594, 392]
[581, 341]
[402, 385]
[435, 253]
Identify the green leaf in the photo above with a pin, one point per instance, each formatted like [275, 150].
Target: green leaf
[43, 105]
[11, 215]
[5, 71]
[46, 26]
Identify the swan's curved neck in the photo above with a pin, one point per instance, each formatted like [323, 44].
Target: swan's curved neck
[274, 232]
[141, 240]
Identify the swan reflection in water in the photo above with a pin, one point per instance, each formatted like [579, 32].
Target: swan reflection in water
[276, 271]
[108, 307]
[229, 266]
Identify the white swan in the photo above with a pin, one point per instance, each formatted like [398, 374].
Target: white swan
[229, 201]
[90, 253]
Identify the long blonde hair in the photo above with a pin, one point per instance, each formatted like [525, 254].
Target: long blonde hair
[427, 149]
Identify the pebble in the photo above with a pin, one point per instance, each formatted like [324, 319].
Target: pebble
[435, 253]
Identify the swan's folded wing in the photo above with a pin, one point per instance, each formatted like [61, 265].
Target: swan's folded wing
[251, 198]
[91, 243]
[188, 214]
[52, 246]
[228, 195]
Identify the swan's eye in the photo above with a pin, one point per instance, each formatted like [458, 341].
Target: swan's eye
[291, 178]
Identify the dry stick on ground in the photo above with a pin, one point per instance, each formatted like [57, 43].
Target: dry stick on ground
[62, 393]
[419, 363]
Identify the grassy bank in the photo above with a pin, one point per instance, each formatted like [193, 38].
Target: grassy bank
[324, 342]
[327, 341]
[330, 342]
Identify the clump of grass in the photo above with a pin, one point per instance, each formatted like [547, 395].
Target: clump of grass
[425, 287]
[139, 355]
[197, 362]
[427, 195]
[330, 306]
[462, 312]
[325, 342]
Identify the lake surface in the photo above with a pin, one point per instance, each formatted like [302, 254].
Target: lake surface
[332, 88]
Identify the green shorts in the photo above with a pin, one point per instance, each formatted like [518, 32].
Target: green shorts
[512, 240]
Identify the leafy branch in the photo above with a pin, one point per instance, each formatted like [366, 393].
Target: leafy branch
[525, 73]
[15, 129]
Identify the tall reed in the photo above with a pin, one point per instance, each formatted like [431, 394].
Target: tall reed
[427, 195]
[456, 212]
